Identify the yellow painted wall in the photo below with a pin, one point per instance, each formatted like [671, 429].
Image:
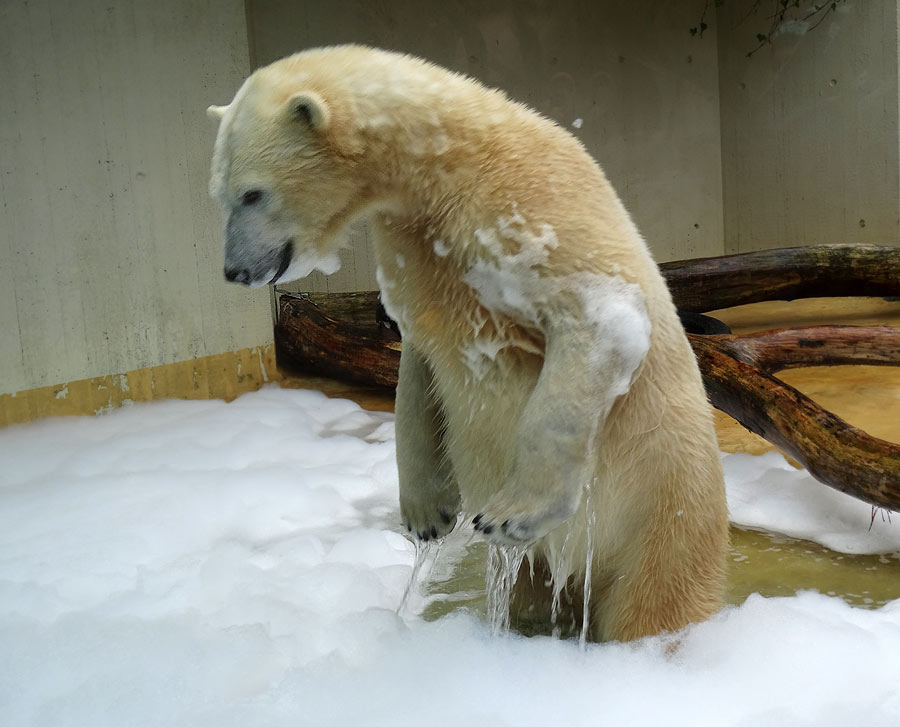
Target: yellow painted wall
[110, 249]
[222, 376]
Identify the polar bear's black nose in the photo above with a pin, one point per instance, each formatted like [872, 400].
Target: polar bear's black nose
[236, 275]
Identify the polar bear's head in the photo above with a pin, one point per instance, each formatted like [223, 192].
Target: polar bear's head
[283, 173]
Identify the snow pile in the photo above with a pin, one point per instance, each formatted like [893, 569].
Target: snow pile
[197, 563]
[767, 493]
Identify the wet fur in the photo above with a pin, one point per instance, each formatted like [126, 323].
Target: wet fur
[435, 160]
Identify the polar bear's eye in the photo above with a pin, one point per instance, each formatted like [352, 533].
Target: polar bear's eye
[251, 197]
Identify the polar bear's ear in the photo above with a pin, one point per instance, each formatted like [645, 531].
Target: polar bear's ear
[216, 112]
[311, 108]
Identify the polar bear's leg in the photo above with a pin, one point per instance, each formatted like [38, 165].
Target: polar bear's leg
[429, 497]
[676, 579]
[554, 458]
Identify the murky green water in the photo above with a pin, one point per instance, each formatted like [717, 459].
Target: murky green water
[759, 562]
[774, 565]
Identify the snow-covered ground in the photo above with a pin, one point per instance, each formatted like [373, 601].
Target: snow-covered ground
[203, 563]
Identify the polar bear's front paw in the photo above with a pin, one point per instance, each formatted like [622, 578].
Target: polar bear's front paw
[430, 519]
[518, 526]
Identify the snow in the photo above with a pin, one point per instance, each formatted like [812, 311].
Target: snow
[621, 327]
[307, 260]
[440, 249]
[483, 350]
[386, 287]
[613, 315]
[508, 282]
[767, 493]
[203, 563]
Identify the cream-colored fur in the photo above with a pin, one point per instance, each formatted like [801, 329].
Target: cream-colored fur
[546, 386]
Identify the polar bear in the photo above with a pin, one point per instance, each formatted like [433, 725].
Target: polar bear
[546, 386]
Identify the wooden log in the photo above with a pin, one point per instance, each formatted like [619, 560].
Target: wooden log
[818, 271]
[834, 452]
[337, 336]
[790, 348]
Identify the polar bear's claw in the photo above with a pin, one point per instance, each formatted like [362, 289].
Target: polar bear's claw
[508, 533]
[427, 519]
[426, 535]
[523, 527]
[429, 532]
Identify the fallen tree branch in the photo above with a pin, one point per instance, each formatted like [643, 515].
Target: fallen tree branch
[833, 451]
[791, 348]
[337, 336]
[822, 271]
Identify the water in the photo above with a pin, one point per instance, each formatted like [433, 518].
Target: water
[591, 518]
[559, 566]
[759, 562]
[503, 565]
[414, 595]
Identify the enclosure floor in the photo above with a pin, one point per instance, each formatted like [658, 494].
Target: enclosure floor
[867, 397]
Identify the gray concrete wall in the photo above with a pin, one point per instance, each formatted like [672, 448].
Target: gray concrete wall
[110, 249]
[646, 92]
[810, 129]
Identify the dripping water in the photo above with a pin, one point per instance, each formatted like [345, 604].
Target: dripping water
[559, 567]
[503, 566]
[591, 521]
[561, 563]
[426, 556]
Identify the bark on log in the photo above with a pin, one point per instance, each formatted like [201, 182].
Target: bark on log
[791, 348]
[834, 452]
[338, 336]
[821, 271]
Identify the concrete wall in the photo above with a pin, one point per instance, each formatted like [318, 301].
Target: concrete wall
[110, 250]
[110, 255]
[810, 129]
[646, 91]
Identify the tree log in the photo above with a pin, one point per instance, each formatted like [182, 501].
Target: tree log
[834, 452]
[337, 335]
[791, 348]
[821, 271]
